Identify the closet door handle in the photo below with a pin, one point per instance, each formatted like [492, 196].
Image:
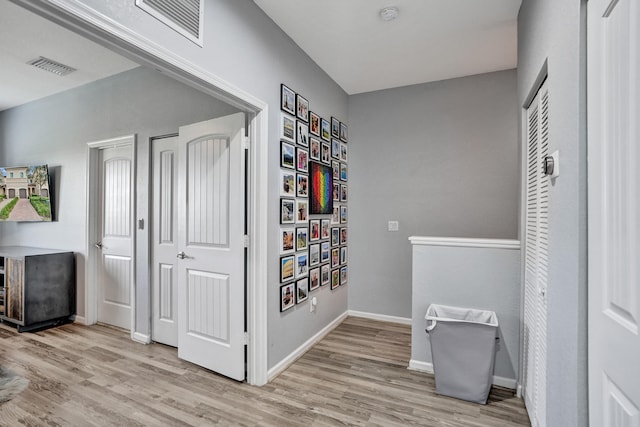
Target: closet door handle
[98, 245]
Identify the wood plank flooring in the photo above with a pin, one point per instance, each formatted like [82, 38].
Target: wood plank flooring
[97, 376]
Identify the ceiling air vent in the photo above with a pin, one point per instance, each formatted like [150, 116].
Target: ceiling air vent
[184, 16]
[51, 66]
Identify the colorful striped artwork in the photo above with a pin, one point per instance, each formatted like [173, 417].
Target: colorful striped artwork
[321, 185]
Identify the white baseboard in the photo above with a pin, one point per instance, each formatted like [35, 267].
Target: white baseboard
[519, 391]
[79, 320]
[381, 317]
[510, 383]
[297, 353]
[141, 338]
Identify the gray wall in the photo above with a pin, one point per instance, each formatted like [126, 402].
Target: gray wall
[471, 277]
[248, 50]
[442, 159]
[55, 130]
[554, 31]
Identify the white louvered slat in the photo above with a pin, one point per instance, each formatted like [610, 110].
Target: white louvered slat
[184, 16]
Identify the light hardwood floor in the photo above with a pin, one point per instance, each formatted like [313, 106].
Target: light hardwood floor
[97, 376]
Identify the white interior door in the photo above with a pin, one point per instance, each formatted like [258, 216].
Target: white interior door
[536, 259]
[164, 275]
[614, 212]
[211, 213]
[115, 268]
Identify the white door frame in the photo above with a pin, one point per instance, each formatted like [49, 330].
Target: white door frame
[95, 26]
[93, 225]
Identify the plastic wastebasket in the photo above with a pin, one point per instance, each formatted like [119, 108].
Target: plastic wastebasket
[463, 350]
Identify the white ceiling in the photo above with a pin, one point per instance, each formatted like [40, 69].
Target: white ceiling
[430, 40]
[25, 36]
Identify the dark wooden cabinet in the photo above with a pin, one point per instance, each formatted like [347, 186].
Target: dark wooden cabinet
[37, 286]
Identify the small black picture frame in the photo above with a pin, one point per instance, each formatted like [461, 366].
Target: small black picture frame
[287, 211]
[314, 124]
[287, 99]
[343, 132]
[302, 108]
[335, 127]
[287, 296]
[325, 131]
[287, 268]
[287, 155]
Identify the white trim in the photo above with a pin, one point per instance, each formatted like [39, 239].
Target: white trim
[469, 243]
[510, 383]
[519, 391]
[80, 320]
[141, 338]
[380, 317]
[297, 353]
[98, 27]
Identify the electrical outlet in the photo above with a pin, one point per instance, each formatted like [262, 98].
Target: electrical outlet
[393, 226]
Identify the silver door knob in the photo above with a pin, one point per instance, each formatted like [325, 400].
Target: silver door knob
[181, 255]
[98, 245]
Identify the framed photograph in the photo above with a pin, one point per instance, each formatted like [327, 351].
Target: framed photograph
[335, 278]
[287, 211]
[343, 214]
[343, 193]
[302, 163]
[321, 183]
[325, 153]
[343, 236]
[343, 172]
[325, 275]
[302, 108]
[302, 264]
[287, 240]
[335, 149]
[314, 225]
[343, 275]
[302, 290]
[335, 218]
[314, 123]
[314, 148]
[302, 211]
[343, 255]
[324, 252]
[287, 155]
[287, 100]
[286, 268]
[325, 133]
[335, 127]
[302, 134]
[324, 229]
[288, 128]
[314, 254]
[287, 183]
[302, 238]
[287, 296]
[335, 257]
[336, 192]
[343, 151]
[335, 236]
[335, 166]
[302, 186]
[343, 132]
[314, 279]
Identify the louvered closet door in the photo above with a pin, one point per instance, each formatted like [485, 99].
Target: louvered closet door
[536, 259]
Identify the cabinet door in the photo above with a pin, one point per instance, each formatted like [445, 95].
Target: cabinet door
[14, 289]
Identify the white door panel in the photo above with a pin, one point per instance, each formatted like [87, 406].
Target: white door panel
[211, 239]
[614, 212]
[115, 270]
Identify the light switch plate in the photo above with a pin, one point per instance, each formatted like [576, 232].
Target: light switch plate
[393, 226]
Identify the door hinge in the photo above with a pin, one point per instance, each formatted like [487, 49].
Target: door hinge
[246, 338]
[245, 142]
[246, 240]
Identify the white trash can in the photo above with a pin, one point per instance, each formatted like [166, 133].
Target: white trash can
[463, 350]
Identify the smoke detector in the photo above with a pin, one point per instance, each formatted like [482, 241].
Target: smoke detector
[51, 66]
[389, 13]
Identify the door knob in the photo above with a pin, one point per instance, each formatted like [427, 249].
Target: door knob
[98, 245]
[181, 255]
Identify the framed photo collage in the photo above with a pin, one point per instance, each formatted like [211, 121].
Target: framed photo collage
[313, 200]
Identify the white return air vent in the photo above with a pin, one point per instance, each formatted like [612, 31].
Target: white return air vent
[184, 16]
[51, 66]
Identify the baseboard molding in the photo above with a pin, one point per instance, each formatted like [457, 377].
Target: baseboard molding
[141, 338]
[297, 353]
[80, 320]
[510, 383]
[381, 317]
[519, 391]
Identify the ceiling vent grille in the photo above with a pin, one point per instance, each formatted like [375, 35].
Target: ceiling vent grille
[184, 16]
[51, 66]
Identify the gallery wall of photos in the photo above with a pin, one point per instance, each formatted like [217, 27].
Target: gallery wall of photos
[313, 201]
